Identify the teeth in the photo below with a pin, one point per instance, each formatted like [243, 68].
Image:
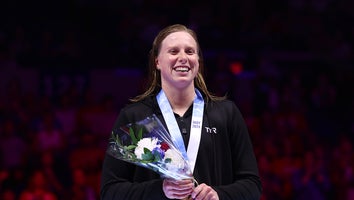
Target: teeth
[182, 69]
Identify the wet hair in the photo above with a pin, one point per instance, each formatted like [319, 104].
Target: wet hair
[154, 76]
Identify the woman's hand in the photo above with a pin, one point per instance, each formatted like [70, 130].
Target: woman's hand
[204, 192]
[174, 189]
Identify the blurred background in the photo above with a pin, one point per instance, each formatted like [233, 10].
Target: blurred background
[68, 67]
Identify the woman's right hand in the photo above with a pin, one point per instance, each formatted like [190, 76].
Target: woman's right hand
[177, 189]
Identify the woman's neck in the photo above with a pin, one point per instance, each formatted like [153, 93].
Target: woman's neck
[180, 100]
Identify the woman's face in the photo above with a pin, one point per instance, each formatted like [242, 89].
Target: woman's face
[178, 60]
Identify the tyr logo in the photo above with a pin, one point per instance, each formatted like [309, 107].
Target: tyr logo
[210, 130]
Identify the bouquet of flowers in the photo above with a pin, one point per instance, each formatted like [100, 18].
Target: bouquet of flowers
[147, 143]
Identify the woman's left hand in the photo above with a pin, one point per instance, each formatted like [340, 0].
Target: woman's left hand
[175, 189]
[204, 192]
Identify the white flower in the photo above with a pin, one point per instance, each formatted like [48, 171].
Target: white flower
[149, 143]
[177, 161]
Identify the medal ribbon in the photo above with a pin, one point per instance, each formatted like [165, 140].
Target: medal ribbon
[196, 126]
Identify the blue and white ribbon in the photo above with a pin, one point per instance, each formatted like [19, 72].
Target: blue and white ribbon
[196, 126]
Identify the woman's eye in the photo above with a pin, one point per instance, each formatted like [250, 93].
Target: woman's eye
[173, 51]
[190, 52]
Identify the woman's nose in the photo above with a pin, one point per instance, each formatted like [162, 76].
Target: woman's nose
[182, 57]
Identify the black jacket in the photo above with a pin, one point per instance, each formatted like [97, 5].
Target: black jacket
[225, 160]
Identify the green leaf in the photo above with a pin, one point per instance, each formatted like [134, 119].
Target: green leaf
[132, 136]
[157, 156]
[147, 156]
[140, 134]
[146, 150]
[116, 139]
[168, 160]
[130, 147]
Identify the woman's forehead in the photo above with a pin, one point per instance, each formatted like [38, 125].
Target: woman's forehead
[181, 37]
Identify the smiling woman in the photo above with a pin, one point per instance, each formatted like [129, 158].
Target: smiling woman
[223, 163]
[178, 63]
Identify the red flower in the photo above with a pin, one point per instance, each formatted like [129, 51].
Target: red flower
[164, 146]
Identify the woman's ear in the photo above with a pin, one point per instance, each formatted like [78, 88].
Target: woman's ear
[157, 64]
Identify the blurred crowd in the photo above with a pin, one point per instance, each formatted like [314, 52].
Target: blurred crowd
[287, 65]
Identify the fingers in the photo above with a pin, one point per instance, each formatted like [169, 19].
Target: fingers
[174, 189]
[204, 192]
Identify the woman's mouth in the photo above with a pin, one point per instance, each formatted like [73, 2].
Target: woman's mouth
[181, 69]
